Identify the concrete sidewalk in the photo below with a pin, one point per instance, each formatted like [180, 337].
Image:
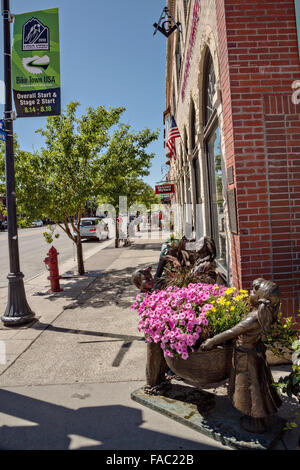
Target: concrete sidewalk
[68, 377]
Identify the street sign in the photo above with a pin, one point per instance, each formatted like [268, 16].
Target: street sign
[36, 64]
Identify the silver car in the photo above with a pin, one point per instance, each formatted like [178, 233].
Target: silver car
[37, 223]
[93, 227]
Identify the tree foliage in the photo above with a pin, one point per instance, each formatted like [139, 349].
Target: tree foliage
[81, 158]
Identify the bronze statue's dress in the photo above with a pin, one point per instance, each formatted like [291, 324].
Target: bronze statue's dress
[250, 384]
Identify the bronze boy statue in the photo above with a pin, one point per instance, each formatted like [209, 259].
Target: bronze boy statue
[250, 382]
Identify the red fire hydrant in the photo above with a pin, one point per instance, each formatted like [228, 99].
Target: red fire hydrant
[52, 265]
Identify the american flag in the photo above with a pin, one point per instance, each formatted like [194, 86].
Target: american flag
[173, 134]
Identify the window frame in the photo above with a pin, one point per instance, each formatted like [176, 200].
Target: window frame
[210, 125]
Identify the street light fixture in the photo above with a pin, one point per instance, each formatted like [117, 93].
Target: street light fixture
[17, 311]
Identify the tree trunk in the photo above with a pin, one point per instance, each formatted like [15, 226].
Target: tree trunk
[80, 264]
[117, 234]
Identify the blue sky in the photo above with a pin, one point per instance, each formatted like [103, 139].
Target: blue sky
[109, 57]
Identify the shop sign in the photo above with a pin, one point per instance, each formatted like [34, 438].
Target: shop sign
[165, 189]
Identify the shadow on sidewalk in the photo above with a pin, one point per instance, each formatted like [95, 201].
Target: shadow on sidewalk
[55, 427]
[118, 337]
[108, 288]
[145, 246]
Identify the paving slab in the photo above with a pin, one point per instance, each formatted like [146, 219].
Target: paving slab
[81, 360]
[89, 417]
[211, 415]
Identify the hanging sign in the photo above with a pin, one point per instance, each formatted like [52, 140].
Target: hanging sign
[164, 189]
[36, 64]
[167, 26]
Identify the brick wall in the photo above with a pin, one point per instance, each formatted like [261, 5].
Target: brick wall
[259, 61]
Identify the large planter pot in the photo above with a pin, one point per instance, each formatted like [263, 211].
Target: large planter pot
[203, 367]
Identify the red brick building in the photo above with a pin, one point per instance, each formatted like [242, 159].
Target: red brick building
[231, 85]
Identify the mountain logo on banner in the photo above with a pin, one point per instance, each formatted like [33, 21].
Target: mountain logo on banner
[35, 36]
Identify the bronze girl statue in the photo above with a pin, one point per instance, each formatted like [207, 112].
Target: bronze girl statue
[250, 382]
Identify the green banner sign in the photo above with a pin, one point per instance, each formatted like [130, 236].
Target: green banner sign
[36, 64]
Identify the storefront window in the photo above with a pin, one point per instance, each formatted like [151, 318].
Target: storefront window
[212, 145]
[196, 171]
[216, 194]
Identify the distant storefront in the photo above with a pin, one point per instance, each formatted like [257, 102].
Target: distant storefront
[231, 85]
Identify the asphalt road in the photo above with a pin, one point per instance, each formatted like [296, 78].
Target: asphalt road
[33, 250]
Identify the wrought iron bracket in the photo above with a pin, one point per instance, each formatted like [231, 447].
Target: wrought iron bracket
[9, 116]
[7, 15]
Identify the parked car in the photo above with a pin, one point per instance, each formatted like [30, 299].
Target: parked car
[37, 223]
[94, 228]
[3, 225]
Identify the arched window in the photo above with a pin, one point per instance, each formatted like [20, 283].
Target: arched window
[186, 4]
[213, 160]
[194, 148]
[208, 89]
[193, 127]
[178, 54]
[185, 145]
[174, 101]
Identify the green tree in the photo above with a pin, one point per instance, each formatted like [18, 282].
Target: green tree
[135, 190]
[80, 158]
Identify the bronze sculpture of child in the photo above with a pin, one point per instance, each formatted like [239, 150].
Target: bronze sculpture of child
[250, 383]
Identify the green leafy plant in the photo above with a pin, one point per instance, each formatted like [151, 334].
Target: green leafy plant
[291, 383]
[82, 158]
[282, 335]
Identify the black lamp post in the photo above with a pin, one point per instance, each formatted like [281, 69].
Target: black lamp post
[17, 310]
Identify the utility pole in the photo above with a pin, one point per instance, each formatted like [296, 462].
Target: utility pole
[17, 311]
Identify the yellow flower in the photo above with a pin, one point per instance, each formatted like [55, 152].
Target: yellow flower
[232, 307]
[221, 301]
[227, 303]
[239, 297]
[243, 291]
[230, 290]
[213, 309]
